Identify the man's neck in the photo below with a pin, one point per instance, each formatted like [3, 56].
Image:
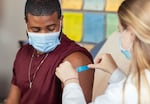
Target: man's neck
[39, 53]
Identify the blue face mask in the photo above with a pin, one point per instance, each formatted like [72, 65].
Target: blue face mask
[44, 42]
[125, 52]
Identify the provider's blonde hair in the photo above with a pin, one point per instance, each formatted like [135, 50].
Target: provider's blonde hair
[136, 14]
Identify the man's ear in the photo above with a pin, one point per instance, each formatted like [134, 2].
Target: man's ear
[27, 34]
[25, 19]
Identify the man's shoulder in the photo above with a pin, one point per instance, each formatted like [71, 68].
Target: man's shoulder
[72, 50]
[75, 50]
[78, 55]
[68, 44]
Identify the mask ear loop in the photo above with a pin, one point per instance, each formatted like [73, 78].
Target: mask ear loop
[60, 26]
[60, 30]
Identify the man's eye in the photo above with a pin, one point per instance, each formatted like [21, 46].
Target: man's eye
[51, 29]
[35, 29]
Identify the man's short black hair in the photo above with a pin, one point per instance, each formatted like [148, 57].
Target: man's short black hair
[42, 8]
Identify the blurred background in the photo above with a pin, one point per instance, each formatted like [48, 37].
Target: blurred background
[12, 29]
[87, 22]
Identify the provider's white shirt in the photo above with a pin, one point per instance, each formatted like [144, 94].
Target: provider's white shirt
[113, 95]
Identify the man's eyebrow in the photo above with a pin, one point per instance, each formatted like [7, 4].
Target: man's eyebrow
[51, 25]
[34, 27]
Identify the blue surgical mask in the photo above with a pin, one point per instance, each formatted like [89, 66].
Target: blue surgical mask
[125, 52]
[44, 42]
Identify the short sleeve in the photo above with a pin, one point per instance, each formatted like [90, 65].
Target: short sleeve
[14, 79]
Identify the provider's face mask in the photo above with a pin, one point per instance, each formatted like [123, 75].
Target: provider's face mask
[125, 51]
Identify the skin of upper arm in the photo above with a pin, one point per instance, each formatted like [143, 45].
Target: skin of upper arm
[86, 78]
[14, 95]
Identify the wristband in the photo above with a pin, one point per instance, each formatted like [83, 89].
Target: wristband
[70, 79]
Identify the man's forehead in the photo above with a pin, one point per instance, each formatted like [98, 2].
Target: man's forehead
[42, 21]
[53, 15]
[33, 18]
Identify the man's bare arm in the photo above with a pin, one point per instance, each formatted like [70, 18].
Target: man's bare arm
[14, 95]
[86, 77]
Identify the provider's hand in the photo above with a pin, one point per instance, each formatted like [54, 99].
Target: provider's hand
[104, 62]
[66, 73]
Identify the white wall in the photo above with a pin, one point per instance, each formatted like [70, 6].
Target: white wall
[12, 29]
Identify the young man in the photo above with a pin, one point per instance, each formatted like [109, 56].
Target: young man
[34, 80]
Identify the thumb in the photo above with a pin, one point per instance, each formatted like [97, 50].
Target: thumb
[94, 66]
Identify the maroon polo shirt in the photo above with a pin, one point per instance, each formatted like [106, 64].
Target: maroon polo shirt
[46, 87]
